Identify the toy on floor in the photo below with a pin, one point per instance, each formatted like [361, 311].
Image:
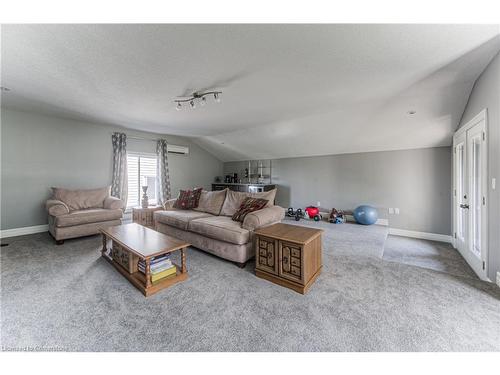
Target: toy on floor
[298, 214]
[336, 217]
[310, 212]
[365, 215]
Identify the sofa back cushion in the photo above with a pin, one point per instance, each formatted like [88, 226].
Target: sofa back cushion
[81, 199]
[234, 199]
[268, 195]
[211, 201]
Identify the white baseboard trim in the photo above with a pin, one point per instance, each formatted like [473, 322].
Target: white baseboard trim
[384, 222]
[421, 235]
[23, 231]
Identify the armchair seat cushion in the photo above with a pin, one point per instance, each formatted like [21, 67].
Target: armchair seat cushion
[178, 218]
[94, 215]
[221, 228]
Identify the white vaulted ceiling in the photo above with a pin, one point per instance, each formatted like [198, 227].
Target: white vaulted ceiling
[288, 90]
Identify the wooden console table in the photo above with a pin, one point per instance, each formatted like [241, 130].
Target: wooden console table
[288, 255]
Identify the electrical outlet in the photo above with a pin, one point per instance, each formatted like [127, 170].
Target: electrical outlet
[391, 211]
[498, 278]
[396, 211]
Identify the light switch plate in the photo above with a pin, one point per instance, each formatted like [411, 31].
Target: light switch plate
[396, 211]
[493, 183]
[391, 211]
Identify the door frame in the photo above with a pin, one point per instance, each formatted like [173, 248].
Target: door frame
[481, 116]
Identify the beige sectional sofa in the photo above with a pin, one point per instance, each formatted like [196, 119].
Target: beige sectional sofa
[77, 213]
[209, 226]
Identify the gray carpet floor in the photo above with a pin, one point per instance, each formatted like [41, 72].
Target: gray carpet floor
[67, 297]
[433, 255]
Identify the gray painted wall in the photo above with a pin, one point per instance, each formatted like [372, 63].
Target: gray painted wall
[418, 182]
[486, 94]
[41, 151]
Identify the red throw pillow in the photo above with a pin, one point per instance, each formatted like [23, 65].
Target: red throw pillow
[249, 205]
[188, 199]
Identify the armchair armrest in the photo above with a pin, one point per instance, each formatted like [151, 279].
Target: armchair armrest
[56, 207]
[169, 205]
[113, 203]
[264, 217]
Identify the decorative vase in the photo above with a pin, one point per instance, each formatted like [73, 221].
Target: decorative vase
[144, 202]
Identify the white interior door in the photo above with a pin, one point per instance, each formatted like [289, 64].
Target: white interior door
[470, 190]
[460, 193]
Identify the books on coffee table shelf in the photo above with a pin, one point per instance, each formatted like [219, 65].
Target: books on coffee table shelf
[160, 267]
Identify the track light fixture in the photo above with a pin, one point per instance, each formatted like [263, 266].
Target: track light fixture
[197, 97]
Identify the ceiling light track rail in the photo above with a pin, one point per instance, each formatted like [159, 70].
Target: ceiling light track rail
[199, 97]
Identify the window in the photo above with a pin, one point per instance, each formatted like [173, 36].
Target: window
[141, 170]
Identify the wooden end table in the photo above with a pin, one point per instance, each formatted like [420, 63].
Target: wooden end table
[132, 242]
[145, 216]
[288, 255]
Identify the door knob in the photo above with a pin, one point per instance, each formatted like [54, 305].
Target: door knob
[464, 206]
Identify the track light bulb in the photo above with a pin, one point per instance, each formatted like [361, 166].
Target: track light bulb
[178, 106]
[193, 104]
[203, 101]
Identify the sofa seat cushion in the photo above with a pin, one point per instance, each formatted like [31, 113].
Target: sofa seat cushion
[178, 218]
[220, 228]
[93, 215]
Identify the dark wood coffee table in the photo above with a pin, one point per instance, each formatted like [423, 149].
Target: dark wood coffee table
[131, 242]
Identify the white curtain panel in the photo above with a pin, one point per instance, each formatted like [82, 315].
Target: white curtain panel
[119, 181]
[162, 175]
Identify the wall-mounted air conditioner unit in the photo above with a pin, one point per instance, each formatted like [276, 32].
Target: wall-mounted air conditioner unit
[175, 149]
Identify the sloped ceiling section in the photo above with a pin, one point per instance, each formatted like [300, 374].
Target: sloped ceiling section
[288, 90]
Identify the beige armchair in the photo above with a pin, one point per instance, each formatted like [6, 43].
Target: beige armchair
[78, 213]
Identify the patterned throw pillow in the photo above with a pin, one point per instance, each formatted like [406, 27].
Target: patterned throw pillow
[188, 199]
[249, 205]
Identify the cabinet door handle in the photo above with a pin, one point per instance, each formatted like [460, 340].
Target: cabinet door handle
[285, 259]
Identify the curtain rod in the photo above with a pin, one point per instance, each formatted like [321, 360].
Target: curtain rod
[148, 139]
[143, 138]
[138, 137]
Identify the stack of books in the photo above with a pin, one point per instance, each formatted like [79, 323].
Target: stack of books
[161, 267]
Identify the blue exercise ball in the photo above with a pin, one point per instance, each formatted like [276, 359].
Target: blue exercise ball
[366, 215]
